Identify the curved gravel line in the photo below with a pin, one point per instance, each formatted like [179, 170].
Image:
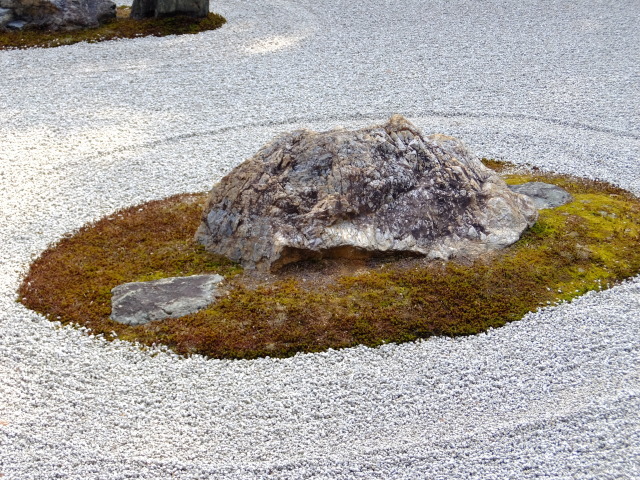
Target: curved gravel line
[87, 129]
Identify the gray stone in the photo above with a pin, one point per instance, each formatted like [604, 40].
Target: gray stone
[544, 195]
[196, 8]
[59, 14]
[165, 8]
[379, 190]
[143, 9]
[138, 303]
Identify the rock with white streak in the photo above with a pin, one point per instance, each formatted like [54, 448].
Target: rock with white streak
[137, 303]
[379, 190]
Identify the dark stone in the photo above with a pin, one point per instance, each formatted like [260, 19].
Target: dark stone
[138, 303]
[143, 9]
[165, 8]
[544, 195]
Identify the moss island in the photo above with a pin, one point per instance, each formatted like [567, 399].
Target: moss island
[121, 27]
[588, 244]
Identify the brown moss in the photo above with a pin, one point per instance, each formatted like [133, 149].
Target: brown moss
[73, 279]
[313, 306]
[121, 27]
[497, 165]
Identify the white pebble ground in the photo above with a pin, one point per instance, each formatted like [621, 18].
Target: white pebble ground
[87, 129]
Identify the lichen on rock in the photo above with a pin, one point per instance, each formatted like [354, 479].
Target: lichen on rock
[379, 190]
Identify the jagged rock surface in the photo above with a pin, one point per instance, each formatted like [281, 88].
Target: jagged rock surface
[57, 14]
[377, 190]
[137, 303]
[544, 195]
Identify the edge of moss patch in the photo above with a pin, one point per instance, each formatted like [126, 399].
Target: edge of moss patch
[582, 246]
[121, 27]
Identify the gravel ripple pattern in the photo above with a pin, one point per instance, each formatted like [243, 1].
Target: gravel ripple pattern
[87, 129]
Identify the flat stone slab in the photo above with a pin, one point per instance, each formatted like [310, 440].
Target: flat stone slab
[544, 195]
[137, 303]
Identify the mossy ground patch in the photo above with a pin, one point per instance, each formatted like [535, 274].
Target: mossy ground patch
[584, 245]
[121, 27]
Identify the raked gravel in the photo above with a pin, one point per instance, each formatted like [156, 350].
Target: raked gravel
[87, 129]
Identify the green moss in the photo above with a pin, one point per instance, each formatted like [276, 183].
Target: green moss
[121, 27]
[581, 246]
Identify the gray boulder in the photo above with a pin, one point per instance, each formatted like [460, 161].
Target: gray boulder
[379, 190]
[164, 8]
[544, 195]
[59, 14]
[138, 303]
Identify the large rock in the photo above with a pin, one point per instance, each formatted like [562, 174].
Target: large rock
[373, 191]
[164, 8]
[137, 303]
[60, 14]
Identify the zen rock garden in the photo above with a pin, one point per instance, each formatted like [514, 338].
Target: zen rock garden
[381, 190]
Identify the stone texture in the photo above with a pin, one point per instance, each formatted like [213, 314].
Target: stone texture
[138, 303]
[59, 14]
[164, 8]
[143, 9]
[374, 191]
[544, 195]
[6, 15]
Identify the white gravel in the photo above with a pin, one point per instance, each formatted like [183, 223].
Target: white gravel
[87, 129]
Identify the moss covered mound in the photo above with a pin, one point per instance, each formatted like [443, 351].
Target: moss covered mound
[585, 245]
[121, 27]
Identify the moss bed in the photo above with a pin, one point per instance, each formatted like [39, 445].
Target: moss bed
[121, 27]
[586, 245]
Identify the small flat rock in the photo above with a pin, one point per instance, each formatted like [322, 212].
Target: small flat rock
[164, 8]
[137, 303]
[544, 195]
